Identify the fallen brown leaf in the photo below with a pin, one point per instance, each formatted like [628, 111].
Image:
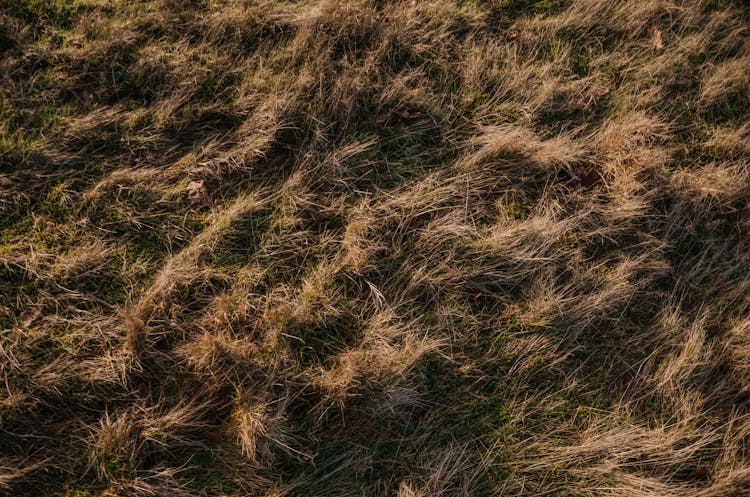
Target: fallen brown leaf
[656, 38]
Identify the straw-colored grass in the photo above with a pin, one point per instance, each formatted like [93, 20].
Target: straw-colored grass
[374, 248]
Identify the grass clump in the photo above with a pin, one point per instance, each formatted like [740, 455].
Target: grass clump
[374, 248]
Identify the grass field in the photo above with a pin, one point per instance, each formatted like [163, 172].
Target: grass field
[374, 248]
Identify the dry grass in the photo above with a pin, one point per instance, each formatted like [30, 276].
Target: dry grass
[374, 248]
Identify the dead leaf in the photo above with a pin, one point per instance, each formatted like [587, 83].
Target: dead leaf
[197, 192]
[656, 38]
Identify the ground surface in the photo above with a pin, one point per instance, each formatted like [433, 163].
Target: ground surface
[374, 248]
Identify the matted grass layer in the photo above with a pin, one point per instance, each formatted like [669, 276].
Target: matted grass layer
[374, 248]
